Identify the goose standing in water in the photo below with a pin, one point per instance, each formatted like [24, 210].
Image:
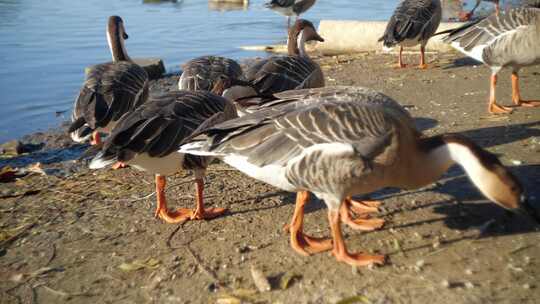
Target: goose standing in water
[353, 141]
[511, 39]
[209, 73]
[110, 89]
[413, 23]
[281, 73]
[148, 138]
[290, 7]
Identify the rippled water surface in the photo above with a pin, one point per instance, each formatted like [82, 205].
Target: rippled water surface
[45, 44]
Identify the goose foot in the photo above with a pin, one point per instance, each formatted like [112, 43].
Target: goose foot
[363, 208]
[340, 251]
[498, 109]
[362, 224]
[528, 103]
[300, 242]
[183, 214]
[119, 165]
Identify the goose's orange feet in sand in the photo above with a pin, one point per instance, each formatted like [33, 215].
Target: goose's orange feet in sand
[183, 214]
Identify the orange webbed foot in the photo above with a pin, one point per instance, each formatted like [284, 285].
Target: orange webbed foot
[423, 66]
[363, 224]
[307, 245]
[358, 259]
[182, 215]
[119, 165]
[528, 103]
[498, 109]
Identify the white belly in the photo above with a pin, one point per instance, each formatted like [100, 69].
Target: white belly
[169, 164]
[270, 174]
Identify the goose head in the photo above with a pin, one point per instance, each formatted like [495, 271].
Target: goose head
[301, 32]
[116, 35]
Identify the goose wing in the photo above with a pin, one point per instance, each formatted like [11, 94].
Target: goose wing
[283, 73]
[490, 40]
[110, 90]
[278, 134]
[412, 19]
[160, 125]
[202, 73]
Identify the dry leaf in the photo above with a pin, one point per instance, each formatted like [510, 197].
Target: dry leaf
[149, 263]
[260, 280]
[354, 300]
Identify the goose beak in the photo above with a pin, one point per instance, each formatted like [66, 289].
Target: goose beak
[528, 210]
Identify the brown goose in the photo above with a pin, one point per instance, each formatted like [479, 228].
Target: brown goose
[281, 73]
[413, 23]
[353, 141]
[208, 73]
[110, 89]
[511, 39]
[148, 137]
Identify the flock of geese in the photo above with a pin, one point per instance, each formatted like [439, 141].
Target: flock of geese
[278, 123]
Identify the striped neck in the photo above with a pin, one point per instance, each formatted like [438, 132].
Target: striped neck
[116, 44]
[483, 168]
[296, 43]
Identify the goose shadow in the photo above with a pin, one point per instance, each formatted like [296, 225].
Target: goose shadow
[462, 62]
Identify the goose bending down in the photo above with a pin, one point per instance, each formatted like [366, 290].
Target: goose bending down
[290, 7]
[148, 139]
[110, 89]
[511, 39]
[209, 73]
[353, 141]
[281, 73]
[413, 23]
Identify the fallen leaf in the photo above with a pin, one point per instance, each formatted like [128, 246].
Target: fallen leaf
[355, 299]
[149, 263]
[288, 279]
[260, 280]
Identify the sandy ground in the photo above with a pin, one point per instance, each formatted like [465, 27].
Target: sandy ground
[83, 236]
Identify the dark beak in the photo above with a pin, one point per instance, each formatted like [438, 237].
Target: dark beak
[528, 210]
[311, 34]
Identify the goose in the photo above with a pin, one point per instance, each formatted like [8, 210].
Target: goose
[511, 39]
[109, 91]
[353, 141]
[281, 73]
[207, 72]
[290, 7]
[413, 23]
[147, 139]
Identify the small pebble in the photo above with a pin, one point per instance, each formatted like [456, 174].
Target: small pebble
[445, 284]
[468, 272]
[420, 263]
[516, 162]
[469, 285]
[526, 286]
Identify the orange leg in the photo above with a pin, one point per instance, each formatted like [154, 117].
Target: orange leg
[493, 107]
[400, 59]
[497, 9]
[423, 64]
[516, 96]
[340, 250]
[360, 223]
[119, 165]
[181, 215]
[300, 242]
[96, 138]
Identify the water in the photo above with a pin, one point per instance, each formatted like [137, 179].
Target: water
[45, 44]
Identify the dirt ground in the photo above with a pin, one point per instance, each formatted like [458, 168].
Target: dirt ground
[81, 236]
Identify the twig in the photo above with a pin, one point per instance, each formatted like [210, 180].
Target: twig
[53, 255]
[205, 269]
[168, 242]
[129, 200]
[23, 231]
[69, 194]
[64, 294]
